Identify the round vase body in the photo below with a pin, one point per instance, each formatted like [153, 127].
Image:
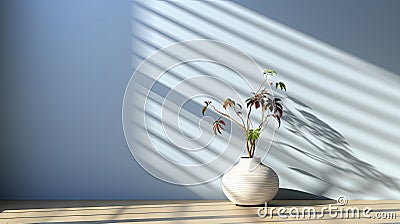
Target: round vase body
[250, 183]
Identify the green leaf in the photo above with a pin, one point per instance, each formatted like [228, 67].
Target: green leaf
[282, 85]
[270, 72]
[253, 135]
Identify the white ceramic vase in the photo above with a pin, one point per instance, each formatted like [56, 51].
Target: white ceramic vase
[250, 182]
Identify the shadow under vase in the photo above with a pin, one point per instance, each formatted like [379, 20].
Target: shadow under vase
[290, 197]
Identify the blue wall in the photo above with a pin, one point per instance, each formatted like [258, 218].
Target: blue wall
[64, 68]
[366, 29]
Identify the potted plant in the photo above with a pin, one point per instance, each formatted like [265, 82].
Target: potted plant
[250, 182]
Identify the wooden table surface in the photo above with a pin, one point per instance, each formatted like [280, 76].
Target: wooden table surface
[190, 211]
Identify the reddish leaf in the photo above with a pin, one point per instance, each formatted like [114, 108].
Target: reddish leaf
[270, 106]
[217, 126]
[279, 111]
[279, 120]
[228, 102]
[219, 131]
[248, 104]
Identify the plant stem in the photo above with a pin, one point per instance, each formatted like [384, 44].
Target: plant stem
[262, 84]
[241, 118]
[229, 117]
[247, 147]
[248, 115]
[262, 116]
[254, 149]
[266, 123]
[248, 119]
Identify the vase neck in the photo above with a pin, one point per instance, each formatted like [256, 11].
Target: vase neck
[254, 159]
[250, 163]
[250, 160]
